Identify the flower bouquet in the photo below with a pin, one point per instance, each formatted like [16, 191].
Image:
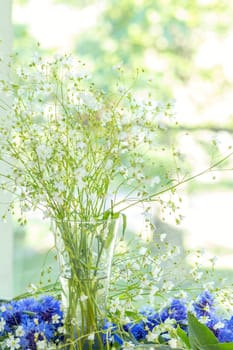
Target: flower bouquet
[69, 150]
[80, 155]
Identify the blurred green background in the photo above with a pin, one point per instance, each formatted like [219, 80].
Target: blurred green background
[185, 50]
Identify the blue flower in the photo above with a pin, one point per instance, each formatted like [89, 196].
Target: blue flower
[177, 311]
[203, 306]
[39, 320]
[111, 336]
[225, 334]
[153, 317]
[137, 330]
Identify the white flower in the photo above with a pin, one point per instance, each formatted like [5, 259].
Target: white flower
[60, 186]
[2, 308]
[109, 164]
[114, 305]
[163, 237]
[168, 285]
[41, 345]
[56, 318]
[89, 101]
[13, 343]
[155, 181]
[83, 298]
[73, 322]
[2, 324]
[218, 325]
[43, 152]
[173, 343]
[169, 322]
[19, 331]
[213, 260]
[151, 336]
[142, 251]
[204, 319]
[91, 336]
[32, 288]
[61, 329]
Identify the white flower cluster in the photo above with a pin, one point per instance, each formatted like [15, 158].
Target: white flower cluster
[152, 273]
[67, 144]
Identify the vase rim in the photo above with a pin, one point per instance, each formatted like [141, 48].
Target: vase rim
[85, 222]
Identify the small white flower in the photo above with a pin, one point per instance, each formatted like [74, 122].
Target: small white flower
[89, 101]
[163, 237]
[32, 288]
[3, 308]
[83, 298]
[173, 343]
[213, 260]
[43, 152]
[151, 337]
[114, 305]
[41, 345]
[218, 325]
[169, 322]
[204, 319]
[61, 330]
[142, 251]
[73, 322]
[19, 331]
[56, 318]
[2, 324]
[168, 285]
[109, 164]
[13, 343]
[91, 336]
[155, 181]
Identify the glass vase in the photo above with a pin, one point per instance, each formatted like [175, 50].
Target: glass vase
[85, 252]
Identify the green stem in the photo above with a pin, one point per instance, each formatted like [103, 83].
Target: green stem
[153, 196]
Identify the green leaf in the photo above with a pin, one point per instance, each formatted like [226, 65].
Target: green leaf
[199, 334]
[183, 336]
[124, 219]
[219, 346]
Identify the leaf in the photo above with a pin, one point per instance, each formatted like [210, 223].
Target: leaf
[219, 346]
[183, 336]
[111, 233]
[124, 219]
[200, 335]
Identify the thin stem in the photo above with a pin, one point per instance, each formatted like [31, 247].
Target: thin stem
[153, 196]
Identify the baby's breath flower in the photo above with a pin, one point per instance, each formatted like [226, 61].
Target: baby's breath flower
[2, 324]
[32, 288]
[2, 308]
[218, 325]
[91, 336]
[83, 298]
[173, 343]
[41, 345]
[56, 318]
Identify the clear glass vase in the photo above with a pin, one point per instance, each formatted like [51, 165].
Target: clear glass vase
[85, 252]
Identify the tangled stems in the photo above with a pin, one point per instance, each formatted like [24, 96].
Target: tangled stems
[85, 252]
